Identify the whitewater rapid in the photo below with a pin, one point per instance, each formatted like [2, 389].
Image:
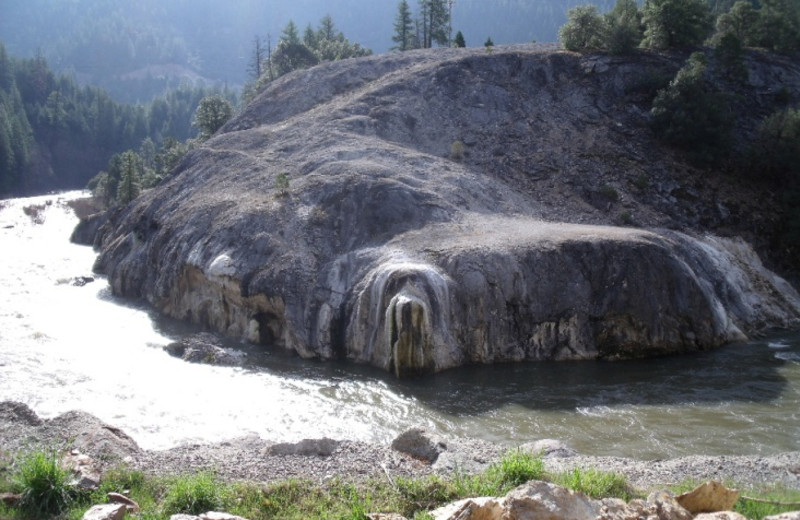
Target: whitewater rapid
[67, 345]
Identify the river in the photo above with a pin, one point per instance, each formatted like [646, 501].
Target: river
[64, 346]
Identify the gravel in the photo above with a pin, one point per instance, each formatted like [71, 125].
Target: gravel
[254, 459]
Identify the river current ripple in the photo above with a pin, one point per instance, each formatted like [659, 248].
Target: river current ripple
[65, 347]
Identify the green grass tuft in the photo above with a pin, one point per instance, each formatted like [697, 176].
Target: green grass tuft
[769, 502]
[596, 484]
[515, 468]
[193, 494]
[43, 483]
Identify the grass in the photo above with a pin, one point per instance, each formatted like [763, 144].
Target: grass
[596, 484]
[770, 501]
[193, 495]
[754, 503]
[39, 474]
[43, 484]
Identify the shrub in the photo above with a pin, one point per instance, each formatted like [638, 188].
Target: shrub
[609, 192]
[689, 115]
[730, 54]
[584, 29]
[776, 151]
[193, 495]
[623, 28]
[457, 151]
[675, 23]
[43, 483]
[282, 183]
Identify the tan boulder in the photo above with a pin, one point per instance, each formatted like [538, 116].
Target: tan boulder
[708, 498]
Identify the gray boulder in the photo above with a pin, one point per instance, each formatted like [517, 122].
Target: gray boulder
[307, 447]
[205, 348]
[420, 444]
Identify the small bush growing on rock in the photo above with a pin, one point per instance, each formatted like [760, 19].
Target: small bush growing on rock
[584, 29]
[691, 115]
[457, 151]
[282, 183]
[44, 485]
[609, 192]
[194, 494]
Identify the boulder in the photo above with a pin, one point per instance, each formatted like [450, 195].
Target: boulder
[547, 501]
[118, 498]
[791, 515]
[721, 515]
[549, 449]
[420, 444]
[106, 512]
[708, 498]
[205, 348]
[215, 515]
[86, 474]
[482, 508]
[664, 506]
[12, 411]
[307, 448]
[10, 499]
[90, 436]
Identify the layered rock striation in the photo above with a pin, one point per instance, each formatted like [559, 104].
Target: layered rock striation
[450, 207]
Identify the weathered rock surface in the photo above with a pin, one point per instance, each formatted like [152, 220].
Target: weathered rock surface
[307, 448]
[388, 252]
[546, 501]
[708, 497]
[204, 348]
[420, 444]
[106, 512]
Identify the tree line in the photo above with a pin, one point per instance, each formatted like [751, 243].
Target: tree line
[56, 134]
[663, 24]
[697, 111]
[293, 52]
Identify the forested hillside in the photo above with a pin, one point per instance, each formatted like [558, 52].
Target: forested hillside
[56, 134]
[136, 49]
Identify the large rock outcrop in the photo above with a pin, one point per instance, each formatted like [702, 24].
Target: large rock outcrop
[387, 250]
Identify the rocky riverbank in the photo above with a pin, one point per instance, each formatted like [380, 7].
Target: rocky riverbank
[413, 453]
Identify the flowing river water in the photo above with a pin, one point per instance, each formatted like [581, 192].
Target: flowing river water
[65, 346]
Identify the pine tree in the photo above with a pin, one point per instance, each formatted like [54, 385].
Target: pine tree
[212, 113]
[403, 28]
[459, 40]
[129, 184]
[327, 30]
[290, 35]
[436, 22]
[257, 60]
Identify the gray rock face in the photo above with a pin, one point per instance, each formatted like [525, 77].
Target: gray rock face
[387, 252]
